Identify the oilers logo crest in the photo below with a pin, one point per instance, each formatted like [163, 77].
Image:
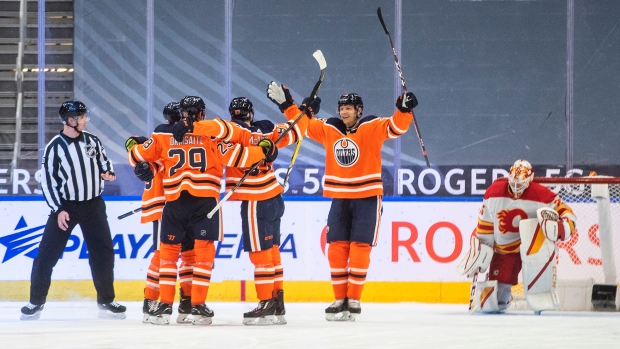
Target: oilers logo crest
[346, 152]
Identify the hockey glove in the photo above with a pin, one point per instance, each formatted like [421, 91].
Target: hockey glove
[280, 95]
[269, 149]
[185, 125]
[134, 140]
[261, 168]
[314, 105]
[143, 171]
[406, 102]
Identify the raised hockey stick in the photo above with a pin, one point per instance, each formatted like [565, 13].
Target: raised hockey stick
[318, 55]
[402, 81]
[125, 215]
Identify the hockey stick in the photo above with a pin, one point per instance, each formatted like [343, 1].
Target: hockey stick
[318, 55]
[472, 292]
[125, 215]
[402, 81]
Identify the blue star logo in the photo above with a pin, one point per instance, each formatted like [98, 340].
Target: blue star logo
[21, 240]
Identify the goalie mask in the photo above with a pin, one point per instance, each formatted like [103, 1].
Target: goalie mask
[193, 105]
[520, 177]
[172, 112]
[241, 108]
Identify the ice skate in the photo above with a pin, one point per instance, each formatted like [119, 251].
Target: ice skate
[338, 311]
[31, 311]
[161, 314]
[202, 315]
[280, 311]
[111, 310]
[354, 308]
[185, 309]
[262, 315]
[148, 306]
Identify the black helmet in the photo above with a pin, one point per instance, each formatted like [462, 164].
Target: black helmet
[240, 108]
[71, 109]
[172, 112]
[350, 98]
[192, 105]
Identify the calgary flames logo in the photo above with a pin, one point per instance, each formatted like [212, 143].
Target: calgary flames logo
[346, 152]
[508, 220]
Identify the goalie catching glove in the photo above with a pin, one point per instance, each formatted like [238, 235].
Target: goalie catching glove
[552, 225]
[477, 258]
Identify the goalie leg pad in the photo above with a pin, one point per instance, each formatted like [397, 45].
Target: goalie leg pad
[504, 296]
[485, 297]
[477, 258]
[539, 266]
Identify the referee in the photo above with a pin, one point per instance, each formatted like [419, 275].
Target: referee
[75, 165]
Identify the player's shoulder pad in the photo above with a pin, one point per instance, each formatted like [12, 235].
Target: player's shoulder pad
[338, 124]
[497, 189]
[164, 128]
[367, 119]
[264, 126]
[538, 192]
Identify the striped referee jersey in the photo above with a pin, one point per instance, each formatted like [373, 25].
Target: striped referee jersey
[72, 168]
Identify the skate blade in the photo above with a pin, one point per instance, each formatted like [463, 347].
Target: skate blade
[184, 319]
[260, 321]
[342, 316]
[160, 319]
[146, 318]
[34, 316]
[281, 320]
[201, 320]
[106, 314]
[352, 316]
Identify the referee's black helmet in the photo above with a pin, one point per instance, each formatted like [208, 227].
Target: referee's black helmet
[71, 109]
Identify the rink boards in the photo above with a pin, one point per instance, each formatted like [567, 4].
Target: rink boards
[420, 243]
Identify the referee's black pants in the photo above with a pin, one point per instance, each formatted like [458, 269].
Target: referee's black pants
[92, 218]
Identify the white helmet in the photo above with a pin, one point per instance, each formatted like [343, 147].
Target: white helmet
[520, 177]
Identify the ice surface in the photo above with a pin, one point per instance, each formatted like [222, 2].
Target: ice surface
[381, 325]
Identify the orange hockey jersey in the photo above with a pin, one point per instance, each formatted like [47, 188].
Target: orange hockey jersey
[353, 159]
[195, 164]
[264, 185]
[153, 199]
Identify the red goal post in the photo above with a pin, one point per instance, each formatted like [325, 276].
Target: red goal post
[592, 253]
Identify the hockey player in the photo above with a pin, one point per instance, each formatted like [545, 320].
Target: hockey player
[192, 173]
[507, 205]
[353, 181]
[262, 206]
[153, 201]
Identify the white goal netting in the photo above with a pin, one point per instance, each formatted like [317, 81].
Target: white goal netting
[592, 254]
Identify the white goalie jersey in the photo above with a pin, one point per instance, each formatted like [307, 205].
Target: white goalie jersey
[499, 217]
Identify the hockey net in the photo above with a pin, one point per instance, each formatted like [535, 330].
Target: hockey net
[589, 256]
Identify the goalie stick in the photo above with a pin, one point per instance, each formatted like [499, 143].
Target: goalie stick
[125, 215]
[318, 55]
[402, 81]
[474, 281]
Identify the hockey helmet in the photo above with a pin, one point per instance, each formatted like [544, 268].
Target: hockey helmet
[351, 98]
[240, 108]
[71, 109]
[192, 105]
[172, 112]
[520, 177]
